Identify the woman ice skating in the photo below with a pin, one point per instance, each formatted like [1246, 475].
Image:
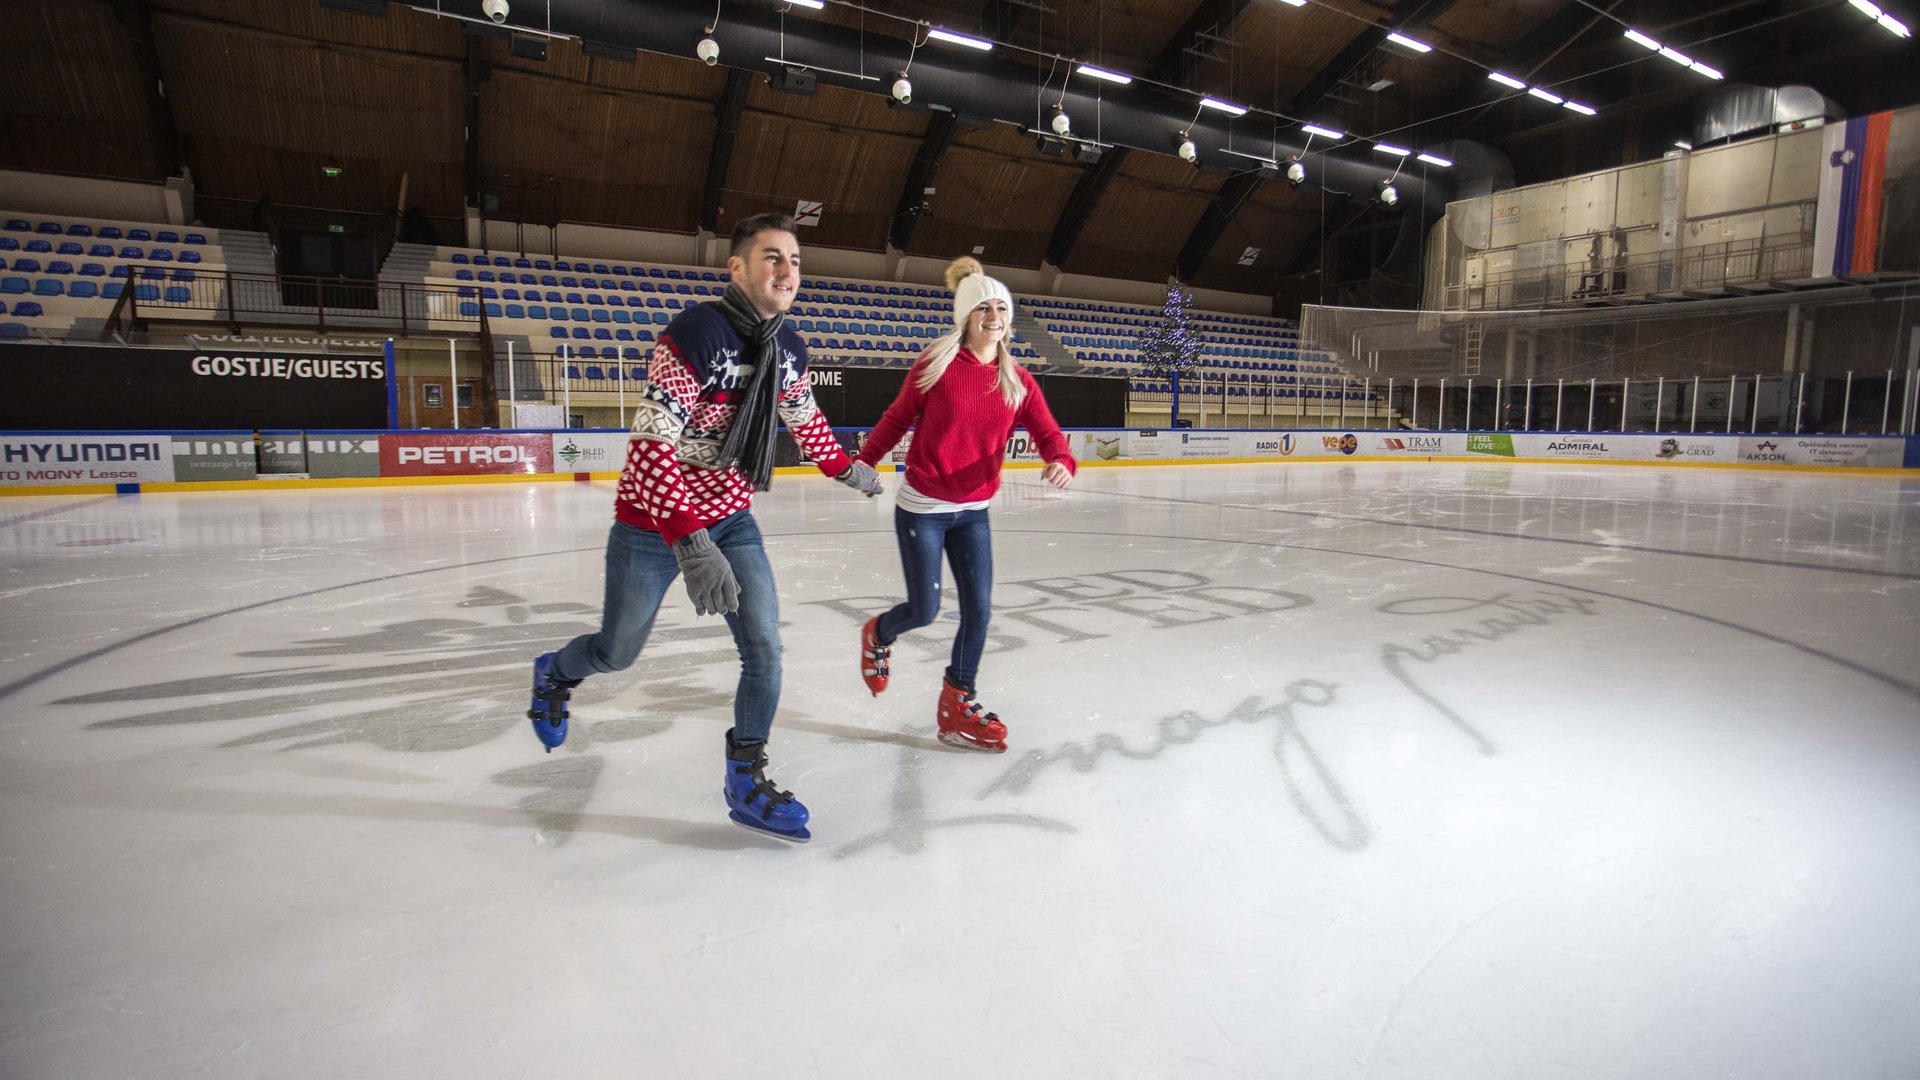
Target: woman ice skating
[963, 398]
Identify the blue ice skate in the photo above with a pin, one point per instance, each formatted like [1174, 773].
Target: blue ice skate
[549, 709]
[754, 802]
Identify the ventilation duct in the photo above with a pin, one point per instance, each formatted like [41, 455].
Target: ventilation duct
[1737, 111]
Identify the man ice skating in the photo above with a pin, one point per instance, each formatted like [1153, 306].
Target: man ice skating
[702, 444]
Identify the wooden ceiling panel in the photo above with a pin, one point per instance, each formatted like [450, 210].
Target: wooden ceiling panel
[995, 190]
[73, 100]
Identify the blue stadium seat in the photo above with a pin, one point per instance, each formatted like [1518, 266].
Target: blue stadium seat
[572, 372]
[196, 238]
[460, 258]
[100, 251]
[189, 256]
[621, 315]
[594, 372]
[68, 247]
[118, 271]
[515, 311]
[27, 309]
[600, 315]
[463, 275]
[558, 332]
[536, 311]
[108, 232]
[132, 252]
[18, 225]
[167, 237]
[623, 334]
[502, 260]
[50, 227]
[112, 290]
[77, 229]
[485, 275]
[178, 294]
[580, 333]
[59, 266]
[39, 247]
[13, 330]
[493, 310]
[601, 333]
[83, 290]
[558, 314]
[523, 264]
[8, 243]
[139, 234]
[469, 309]
[26, 266]
[542, 264]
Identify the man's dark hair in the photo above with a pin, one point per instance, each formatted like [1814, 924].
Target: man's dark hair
[748, 228]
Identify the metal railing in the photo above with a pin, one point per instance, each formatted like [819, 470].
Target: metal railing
[154, 291]
[1701, 270]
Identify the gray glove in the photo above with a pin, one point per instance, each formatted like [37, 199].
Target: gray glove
[710, 581]
[861, 478]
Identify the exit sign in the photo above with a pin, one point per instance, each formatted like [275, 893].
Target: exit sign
[336, 228]
[331, 172]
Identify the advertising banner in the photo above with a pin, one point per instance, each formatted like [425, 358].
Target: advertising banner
[463, 454]
[215, 455]
[338, 454]
[589, 451]
[283, 453]
[114, 389]
[1857, 452]
[85, 458]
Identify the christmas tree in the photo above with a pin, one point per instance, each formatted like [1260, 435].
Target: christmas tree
[1171, 348]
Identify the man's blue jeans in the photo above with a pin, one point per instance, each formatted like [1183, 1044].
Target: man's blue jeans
[968, 542]
[640, 569]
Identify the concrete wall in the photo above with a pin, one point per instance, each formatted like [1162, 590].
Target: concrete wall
[80, 196]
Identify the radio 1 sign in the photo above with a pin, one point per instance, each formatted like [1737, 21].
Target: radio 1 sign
[465, 455]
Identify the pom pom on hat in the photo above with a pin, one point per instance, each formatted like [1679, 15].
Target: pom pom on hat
[971, 285]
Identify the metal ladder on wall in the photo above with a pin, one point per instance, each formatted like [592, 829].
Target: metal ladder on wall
[1471, 346]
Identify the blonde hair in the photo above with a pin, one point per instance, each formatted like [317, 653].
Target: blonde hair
[932, 363]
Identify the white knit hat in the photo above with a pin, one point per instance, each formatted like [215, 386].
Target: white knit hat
[971, 285]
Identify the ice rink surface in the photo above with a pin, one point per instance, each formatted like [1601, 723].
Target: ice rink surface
[1318, 770]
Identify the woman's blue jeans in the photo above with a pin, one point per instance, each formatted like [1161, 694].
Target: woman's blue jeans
[967, 540]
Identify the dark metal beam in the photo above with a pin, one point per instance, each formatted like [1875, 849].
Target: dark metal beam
[1213, 223]
[941, 128]
[474, 72]
[726, 128]
[138, 19]
[1094, 181]
[1408, 15]
[1211, 17]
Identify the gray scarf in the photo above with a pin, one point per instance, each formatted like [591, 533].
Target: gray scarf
[749, 442]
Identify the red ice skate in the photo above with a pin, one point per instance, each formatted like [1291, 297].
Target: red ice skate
[873, 656]
[965, 724]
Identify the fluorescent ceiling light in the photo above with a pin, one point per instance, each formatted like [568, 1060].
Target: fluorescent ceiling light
[1683, 144]
[1546, 95]
[1676, 56]
[1708, 70]
[1222, 106]
[1895, 26]
[1872, 11]
[1639, 38]
[1389, 148]
[1102, 73]
[814, 4]
[1325, 133]
[1583, 110]
[1432, 160]
[1295, 3]
[1406, 42]
[1506, 80]
[952, 38]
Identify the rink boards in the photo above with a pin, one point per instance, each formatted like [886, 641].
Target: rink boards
[52, 462]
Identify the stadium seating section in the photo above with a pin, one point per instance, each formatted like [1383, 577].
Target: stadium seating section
[75, 268]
